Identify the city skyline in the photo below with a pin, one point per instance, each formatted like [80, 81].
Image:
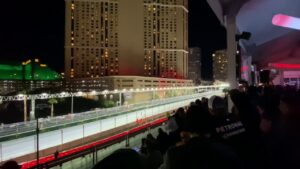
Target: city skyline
[39, 32]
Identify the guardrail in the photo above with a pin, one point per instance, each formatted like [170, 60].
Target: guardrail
[91, 148]
[64, 134]
[45, 123]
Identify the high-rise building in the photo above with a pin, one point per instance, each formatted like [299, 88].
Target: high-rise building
[126, 37]
[195, 64]
[220, 65]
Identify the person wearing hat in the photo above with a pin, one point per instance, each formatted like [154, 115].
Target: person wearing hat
[225, 125]
[197, 150]
[231, 130]
[122, 158]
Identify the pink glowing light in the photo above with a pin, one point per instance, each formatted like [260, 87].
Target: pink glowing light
[284, 66]
[244, 68]
[286, 21]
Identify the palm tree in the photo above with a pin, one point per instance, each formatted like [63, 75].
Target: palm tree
[52, 101]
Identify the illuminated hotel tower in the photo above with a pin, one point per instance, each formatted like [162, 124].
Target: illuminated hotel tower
[126, 37]
[220, 65]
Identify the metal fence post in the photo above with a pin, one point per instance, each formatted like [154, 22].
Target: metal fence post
[100, 125]
[94, 151]
[127, 139]
[83, 133]
[37, 144]
[62, 137]
[1, 152]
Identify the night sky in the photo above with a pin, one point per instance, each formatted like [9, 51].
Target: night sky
[35, 29]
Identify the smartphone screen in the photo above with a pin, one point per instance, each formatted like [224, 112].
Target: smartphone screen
[137, 149]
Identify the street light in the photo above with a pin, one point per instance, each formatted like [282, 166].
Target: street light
[21, 95]
[105, 92]
[80, 93]
[93, 92]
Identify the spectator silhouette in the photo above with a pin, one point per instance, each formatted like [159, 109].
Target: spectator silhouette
[248, 114]
[286, 136]
[198, 102]
[143, 150]
[230, 129]
[122, 159]
[204, 102]
[171, 125]
[200, 152]
[10, 165]
[153, 158]
[151, 138]
[172, 129]
[180, 118]
[162, 141]
[56, 154]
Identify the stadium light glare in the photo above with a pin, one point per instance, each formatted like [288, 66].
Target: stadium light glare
[286, 21]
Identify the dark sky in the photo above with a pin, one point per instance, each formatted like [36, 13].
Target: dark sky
[35, 28]
[205, 32]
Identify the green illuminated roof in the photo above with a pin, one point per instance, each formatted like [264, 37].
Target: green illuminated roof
[15, 72]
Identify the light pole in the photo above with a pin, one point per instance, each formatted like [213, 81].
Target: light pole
[153, 95]
[25, 108]
[32, 112]
[120, 98]
[72, 103]
[37, 143]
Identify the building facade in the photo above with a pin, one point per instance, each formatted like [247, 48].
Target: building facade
[29, 76]
[123, 82]
[220, 65]
[194, 69]
[127, 38]
[8, 87]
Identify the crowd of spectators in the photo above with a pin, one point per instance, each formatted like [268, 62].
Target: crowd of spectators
[261, 131]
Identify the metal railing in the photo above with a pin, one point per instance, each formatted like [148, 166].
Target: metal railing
[83, 125]
[16, 129]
